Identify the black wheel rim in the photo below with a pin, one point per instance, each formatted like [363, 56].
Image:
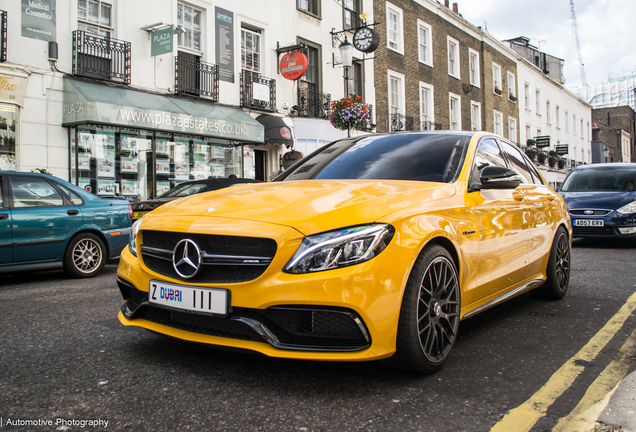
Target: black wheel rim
[438, 309]
[563, 262]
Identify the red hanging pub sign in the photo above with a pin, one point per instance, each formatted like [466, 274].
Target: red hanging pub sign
[293, 65]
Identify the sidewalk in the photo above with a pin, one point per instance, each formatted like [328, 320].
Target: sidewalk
[620, 413]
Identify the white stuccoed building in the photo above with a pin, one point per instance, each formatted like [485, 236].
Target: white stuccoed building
[548, 109]
[97, 108]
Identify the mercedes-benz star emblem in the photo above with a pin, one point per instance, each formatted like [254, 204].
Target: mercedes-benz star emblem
[186, 258]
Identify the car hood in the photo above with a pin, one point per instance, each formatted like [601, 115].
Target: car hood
[310, 206]
[598, 200]
[151, 204]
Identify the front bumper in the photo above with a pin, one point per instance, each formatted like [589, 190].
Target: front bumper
[613, 226]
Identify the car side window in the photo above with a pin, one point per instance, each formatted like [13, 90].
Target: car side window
[488, 154]
[72, 196]
[34, 192]
[518, 162]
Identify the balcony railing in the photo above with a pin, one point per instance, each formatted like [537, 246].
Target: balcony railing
[258, 92]
[427, 125]
[369, 125]
[101, 58]
[399, 122]
[3, 35]
[196, 78]
[312, 104]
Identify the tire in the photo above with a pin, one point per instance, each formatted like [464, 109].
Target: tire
[85, 256]
[429, 317]
[558, 269]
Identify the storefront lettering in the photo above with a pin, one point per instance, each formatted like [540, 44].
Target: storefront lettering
[75, 111]
[186, 122]
[5, 84]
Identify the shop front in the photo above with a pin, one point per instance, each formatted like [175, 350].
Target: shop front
[138, 145]
[13, 86]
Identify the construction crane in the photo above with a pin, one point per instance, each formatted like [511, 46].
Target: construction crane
[575, 30]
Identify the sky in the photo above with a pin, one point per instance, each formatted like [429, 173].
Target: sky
[607, 32]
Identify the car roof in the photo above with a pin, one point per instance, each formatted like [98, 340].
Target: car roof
[611, 165]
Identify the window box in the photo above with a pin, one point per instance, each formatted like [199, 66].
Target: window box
[498, 91]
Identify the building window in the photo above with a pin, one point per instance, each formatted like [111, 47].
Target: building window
[512, 87]
[455, 111]
[558, 117]
[538, 131]
[394, 35]
[425, 43]
[309, 6]
[582, 131]
[357, 86]
[426, 106]
[567, 122]
[93, 17]
[190, 19]
[527, 95]
[473, 66]
[396, 93]
[9, 138]
[573, 124]
[528, 132]
[453, 57]
[548, 117]
[498, 119]
[538, 101]
[512, 129]
[496, 79]
[351, 12]
[250, 50]
[475, 116]
[588, 131]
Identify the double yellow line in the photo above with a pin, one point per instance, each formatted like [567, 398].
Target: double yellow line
[582, 418]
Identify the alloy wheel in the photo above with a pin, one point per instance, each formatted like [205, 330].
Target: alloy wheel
[87, 255]
[563, 262]
[438, 309]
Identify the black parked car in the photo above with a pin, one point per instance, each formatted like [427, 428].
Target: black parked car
[185, 189]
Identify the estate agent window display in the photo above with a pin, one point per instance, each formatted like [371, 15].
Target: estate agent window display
[123, 162]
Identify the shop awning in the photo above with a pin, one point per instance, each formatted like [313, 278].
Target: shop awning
[87, 102]
[276, 131]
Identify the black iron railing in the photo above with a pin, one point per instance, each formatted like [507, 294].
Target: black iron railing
[196, 77]
[428, 125]
[400, 122]
[313, 104]
[3, 35]
[258, 92]
[101, 58]
[369, 125]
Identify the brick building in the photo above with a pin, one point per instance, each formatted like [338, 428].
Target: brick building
[616, 129]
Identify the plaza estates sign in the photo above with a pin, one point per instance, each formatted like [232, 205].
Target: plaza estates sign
[38, 19]
[161, 41]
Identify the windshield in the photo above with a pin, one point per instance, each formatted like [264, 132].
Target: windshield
[411, 156]
[602, 179]
[184, 190]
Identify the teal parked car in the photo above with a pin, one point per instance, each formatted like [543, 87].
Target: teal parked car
[48, 223]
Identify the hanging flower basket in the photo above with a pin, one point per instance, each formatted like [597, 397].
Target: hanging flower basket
[349, 113]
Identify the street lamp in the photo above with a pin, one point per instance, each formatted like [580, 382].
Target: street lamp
[346, 54]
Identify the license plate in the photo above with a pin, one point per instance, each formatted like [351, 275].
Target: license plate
[189, 298]
[589, 222]
[139, 215]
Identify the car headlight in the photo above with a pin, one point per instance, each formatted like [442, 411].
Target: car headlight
[628, 209]
[340, 248]
[133, 236]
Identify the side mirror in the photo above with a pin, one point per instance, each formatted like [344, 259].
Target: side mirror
[494, 177]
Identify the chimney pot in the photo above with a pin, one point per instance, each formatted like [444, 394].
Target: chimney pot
[455, 8]
[447, 3]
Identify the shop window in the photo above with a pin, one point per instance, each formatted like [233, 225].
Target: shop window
[9, 119]
[190, 19]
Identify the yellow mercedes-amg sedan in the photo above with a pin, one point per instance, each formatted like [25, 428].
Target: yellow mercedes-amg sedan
[372, 247]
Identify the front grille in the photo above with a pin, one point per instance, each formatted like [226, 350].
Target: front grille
[202, 324]
[315, 323]
[595, 212]
[593, 231]
[219, 245]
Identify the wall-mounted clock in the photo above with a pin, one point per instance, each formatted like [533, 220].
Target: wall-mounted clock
[366, 39]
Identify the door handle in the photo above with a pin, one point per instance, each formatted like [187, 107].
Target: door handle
[4, 216]
[72, 212]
